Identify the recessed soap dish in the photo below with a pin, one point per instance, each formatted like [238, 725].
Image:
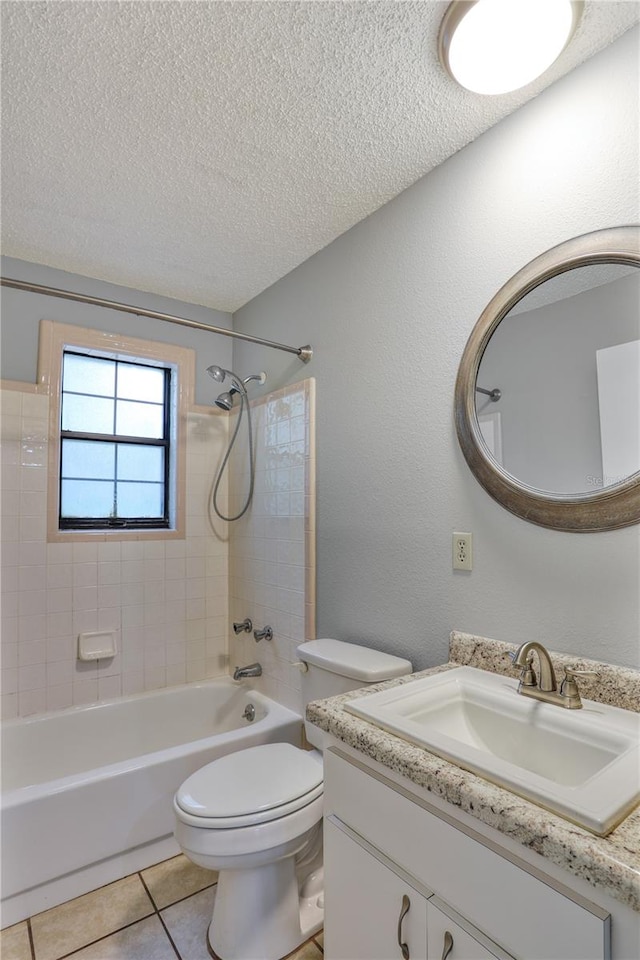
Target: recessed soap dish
[97, 646]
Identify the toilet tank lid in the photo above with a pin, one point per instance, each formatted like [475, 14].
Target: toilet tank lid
[353, 660]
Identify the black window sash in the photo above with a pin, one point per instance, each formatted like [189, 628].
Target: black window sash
[99, 523]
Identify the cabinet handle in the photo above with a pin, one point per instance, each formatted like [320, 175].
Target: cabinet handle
[447, 945]
[404, 910]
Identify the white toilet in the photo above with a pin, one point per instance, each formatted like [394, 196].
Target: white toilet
[256, 817]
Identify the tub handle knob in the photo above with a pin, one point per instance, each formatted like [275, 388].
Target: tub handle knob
[265, 634]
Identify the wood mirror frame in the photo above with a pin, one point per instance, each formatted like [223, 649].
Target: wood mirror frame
[608, 508]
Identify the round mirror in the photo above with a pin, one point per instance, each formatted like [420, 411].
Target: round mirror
[547, 398]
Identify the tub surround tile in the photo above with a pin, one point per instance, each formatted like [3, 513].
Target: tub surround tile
[608, 863]
[79, 922]
[272, 550]
[63, 589]
[14, 942]
[176, 879]
[145, 940]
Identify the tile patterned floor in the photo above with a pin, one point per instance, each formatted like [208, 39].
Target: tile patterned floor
[161, 913]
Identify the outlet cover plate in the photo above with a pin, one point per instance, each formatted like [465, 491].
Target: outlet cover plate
[462, 551]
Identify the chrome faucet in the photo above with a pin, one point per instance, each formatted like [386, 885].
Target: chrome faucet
[547, 690]
[253, 670]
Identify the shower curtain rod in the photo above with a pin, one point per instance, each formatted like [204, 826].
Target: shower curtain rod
[304, 353]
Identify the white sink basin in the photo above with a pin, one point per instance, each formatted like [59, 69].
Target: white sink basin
[582, 764]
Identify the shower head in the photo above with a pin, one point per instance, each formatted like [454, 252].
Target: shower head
[225, 400]
[218, 373]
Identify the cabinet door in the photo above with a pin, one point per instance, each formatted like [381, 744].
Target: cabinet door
[448, 941]
[370, 912]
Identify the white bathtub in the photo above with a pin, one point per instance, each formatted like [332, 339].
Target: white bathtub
[87, 792]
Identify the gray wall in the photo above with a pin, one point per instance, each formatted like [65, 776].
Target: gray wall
[388, 308]
[22, 312]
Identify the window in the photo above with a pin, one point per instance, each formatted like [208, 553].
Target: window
[118, 408]
[114, 443]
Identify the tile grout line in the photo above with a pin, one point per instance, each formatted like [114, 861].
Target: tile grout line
[189, 895]
[154, 911]
[98, 939]
[92, 943]
[31, 943]
[159, 916]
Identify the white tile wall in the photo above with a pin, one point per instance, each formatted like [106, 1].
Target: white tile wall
[167, 599]
[272, 548]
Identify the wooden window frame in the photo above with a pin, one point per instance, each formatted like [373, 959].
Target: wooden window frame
[55, 338]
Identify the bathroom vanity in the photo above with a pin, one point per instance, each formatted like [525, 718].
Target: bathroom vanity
[424, 859]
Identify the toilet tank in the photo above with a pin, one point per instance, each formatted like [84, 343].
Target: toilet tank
[334, 666]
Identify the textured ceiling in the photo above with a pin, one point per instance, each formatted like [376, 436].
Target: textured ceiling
[202, 150]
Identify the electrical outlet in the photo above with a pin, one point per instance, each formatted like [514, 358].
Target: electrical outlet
[462, 546]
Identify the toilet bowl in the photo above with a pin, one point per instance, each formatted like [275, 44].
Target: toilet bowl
[256, 817]
[252, 815]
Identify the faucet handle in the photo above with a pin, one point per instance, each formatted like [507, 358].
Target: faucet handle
[571, 671]
[527, 673]
[569, 688]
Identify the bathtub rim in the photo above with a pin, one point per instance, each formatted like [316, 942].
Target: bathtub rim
[24, 794]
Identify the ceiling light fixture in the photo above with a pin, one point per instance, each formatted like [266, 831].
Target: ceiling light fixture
[495, 46]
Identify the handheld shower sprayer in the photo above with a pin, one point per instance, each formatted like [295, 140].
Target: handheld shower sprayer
[225, 402]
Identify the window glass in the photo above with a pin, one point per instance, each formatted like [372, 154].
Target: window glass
[84, 414]
[138, 382]
[139, 499]
[82, 374]
[86, 459]
[118, 479]
[136, 462]
[139, 419]
[80, 499]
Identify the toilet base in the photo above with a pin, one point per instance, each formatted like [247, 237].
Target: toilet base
[259, 914]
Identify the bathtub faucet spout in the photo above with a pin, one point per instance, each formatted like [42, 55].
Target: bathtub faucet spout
[253, 670]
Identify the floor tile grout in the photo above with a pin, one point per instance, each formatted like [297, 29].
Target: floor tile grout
[31, 943]
[159, 916]
[106, 936]
[156, 910]
[188, 896]
[148, 892]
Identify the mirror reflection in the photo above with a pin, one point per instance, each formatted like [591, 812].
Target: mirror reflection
[558, 387]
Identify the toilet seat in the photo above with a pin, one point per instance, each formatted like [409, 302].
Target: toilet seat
[250, 787]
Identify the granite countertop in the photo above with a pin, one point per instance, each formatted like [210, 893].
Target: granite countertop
[609, 863]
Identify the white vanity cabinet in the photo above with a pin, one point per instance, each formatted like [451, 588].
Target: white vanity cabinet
[383, 843]
[372, 909]
[447, 939]
[374, 913]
